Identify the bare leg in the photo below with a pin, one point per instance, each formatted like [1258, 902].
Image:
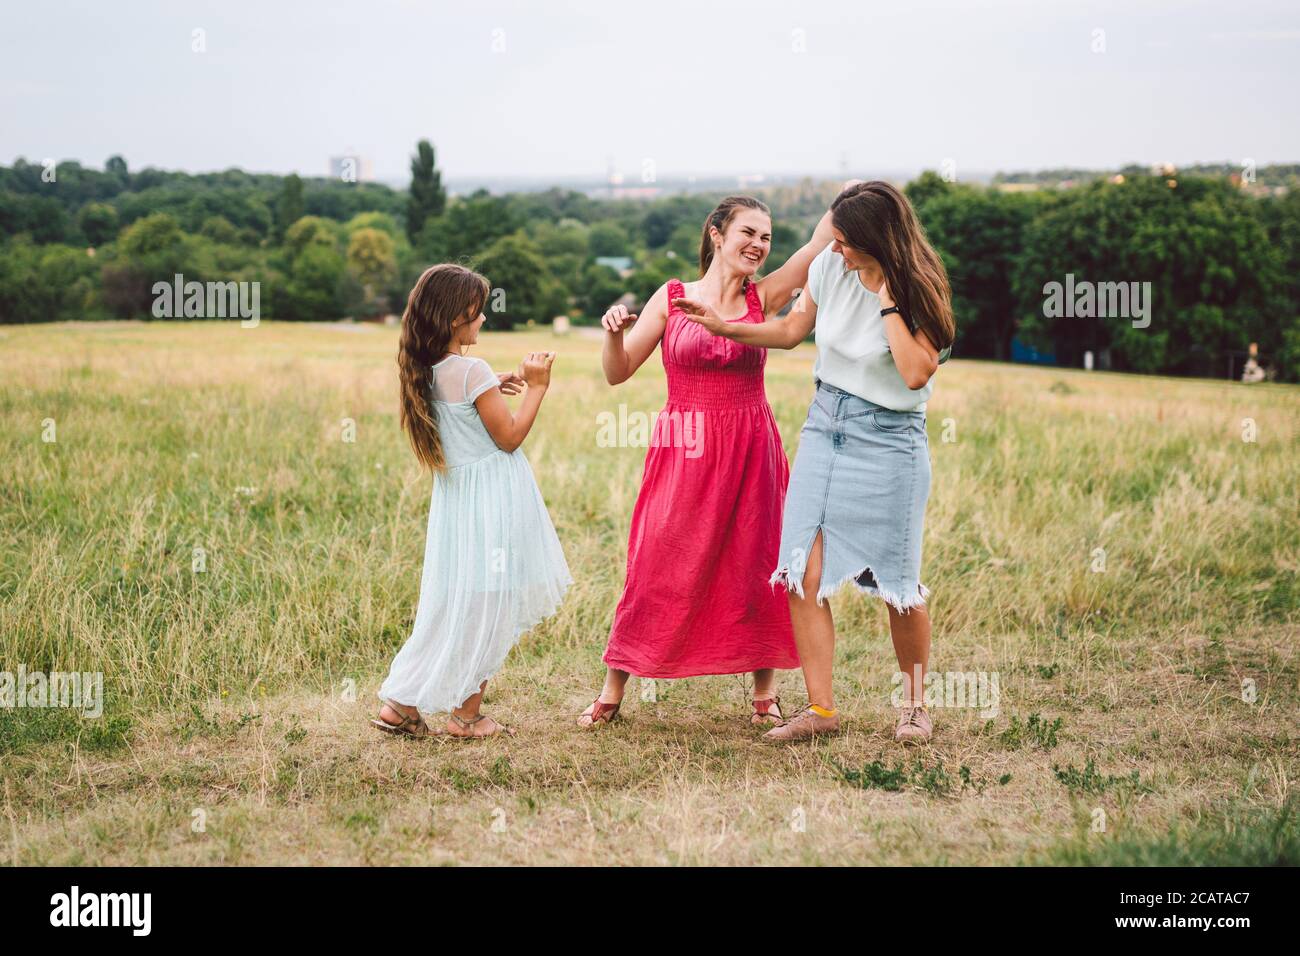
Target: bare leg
[468, 711]
[814, 632]
[611, 693]
[765, 690]
[911, 636]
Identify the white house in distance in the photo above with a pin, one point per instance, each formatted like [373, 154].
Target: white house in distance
[620, 264]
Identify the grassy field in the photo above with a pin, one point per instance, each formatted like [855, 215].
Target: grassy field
[1150, 690]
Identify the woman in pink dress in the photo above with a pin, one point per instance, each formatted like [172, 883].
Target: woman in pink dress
[707, 522]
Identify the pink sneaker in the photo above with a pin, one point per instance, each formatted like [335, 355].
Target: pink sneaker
[914, 725]
[803, 726]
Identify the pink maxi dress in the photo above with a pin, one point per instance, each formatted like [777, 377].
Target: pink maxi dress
[706, 530]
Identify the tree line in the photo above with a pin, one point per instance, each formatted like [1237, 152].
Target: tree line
[1221, 263]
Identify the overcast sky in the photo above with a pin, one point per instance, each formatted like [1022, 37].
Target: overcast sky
[702, 87]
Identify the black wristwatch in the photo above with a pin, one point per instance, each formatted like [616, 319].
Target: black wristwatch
[888, 311]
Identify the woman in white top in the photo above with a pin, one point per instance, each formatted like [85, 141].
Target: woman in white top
[881, 305]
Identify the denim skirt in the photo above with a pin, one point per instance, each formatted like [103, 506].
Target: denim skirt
[862, 478]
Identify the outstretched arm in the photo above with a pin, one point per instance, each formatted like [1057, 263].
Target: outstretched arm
[777, 289]
[783, 333]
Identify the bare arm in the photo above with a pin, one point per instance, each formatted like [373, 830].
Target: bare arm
[914, 354]
[509, 430]
[783, 333]
[623, 354]
[780, 287]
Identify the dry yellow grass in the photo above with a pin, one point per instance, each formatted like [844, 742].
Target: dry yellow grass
[230, 692]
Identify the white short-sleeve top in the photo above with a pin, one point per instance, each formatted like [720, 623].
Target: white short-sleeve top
[460, 380]
[852, 348]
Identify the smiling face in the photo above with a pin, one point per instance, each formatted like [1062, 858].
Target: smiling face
[855, 259]
[744, 246]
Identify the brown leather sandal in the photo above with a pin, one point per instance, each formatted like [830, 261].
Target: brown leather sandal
[763, 711]
[464, 724]
[409, 727]
[601, 713]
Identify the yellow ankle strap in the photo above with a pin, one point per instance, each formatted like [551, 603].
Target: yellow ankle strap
[822, 711]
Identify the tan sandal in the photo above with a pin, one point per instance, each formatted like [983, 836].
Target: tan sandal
[409, 727]
[464, 724]
[763, 713]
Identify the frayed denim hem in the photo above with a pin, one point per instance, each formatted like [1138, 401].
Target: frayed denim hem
[793, 581]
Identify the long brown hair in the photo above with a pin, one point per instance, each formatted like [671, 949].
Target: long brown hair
[720, 219]
[875, 218]
[442, 295]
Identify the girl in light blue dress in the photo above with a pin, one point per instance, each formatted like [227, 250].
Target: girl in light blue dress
[493, 567]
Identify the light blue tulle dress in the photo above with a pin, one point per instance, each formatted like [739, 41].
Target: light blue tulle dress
[493, 566]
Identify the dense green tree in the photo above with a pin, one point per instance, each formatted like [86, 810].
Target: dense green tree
[607, 239]
[1223, 262]
[929, 185]
[41, 218]
[220, 230]
[563, 246]
[427, 198]
[523, 290]
[289, 206]
[1279, 340]
[154, 249]
[314, 287]
[657, 226]
[467, 228]
[372, 263]
[373, 220]
[655, 270]
[599, 288]
[979, 233]
[151, 235]
[98, 222]
[311, 231]
[685, 242]
[568, 237]
[1196, 244]
[663, 218]
[46, 283]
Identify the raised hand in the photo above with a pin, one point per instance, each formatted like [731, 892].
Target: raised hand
[617, 318]
[536, 369]
[511, 383]
[886, 300]
[700, 313]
